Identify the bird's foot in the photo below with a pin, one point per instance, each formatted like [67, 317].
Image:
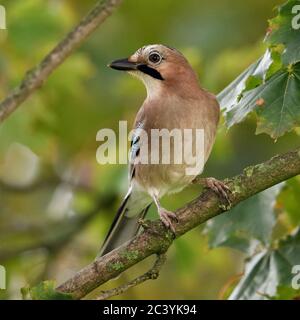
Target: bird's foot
[143, 223]
[166, 217]
[221, 189]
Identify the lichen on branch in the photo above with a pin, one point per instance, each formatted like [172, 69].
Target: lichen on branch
[155, 239]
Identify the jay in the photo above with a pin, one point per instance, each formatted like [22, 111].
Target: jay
[174, 100]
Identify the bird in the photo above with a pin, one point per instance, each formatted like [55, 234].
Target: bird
[175, 100]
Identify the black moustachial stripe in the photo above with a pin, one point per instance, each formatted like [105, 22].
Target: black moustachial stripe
[150, 71]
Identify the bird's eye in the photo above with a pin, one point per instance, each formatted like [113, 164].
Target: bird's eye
[154, 58]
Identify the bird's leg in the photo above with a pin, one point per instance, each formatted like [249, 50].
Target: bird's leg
[219, 187]
[165, 216]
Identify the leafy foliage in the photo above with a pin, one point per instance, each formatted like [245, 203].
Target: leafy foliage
[270, 87]
[282, 32]
[252, 219]
[251, 227]
[270, 270]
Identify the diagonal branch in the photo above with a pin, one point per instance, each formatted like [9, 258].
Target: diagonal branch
[155, 239]
[34, 78]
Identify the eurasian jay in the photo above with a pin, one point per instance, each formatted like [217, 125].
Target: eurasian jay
[174, 101]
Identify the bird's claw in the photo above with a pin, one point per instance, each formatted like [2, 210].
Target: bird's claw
[143, 223]
[221, 189]
[166, 217]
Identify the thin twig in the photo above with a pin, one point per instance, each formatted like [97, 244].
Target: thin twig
[35, 77]
[152, 274]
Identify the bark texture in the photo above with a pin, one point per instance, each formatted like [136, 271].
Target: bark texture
[155, 239]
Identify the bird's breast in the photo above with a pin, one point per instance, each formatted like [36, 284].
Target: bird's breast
[184, 120]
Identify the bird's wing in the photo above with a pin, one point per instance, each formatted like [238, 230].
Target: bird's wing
[136, 141]
[134, 152]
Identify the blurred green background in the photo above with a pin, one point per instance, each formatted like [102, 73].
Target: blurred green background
[56, 202]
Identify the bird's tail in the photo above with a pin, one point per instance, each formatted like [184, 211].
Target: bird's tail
[123, 227]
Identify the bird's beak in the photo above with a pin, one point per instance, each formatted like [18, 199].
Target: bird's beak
[123, 64]
[126, 65]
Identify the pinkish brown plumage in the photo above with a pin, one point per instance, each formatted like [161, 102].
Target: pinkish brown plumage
[174, 100]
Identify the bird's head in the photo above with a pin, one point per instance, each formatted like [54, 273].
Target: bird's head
[159, 67]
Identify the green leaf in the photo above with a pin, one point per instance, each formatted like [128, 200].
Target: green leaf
[25, 293]
[251, 219]
[290, 199]
[266, 271]
[276, 64]
[46, 291]
[279, 107]
[282, 32]
[229, 96]
[253, 82]
[289, 248]
[286, 293]
[271, 86]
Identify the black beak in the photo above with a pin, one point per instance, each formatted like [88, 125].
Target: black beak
[123, 64]
[126, 65]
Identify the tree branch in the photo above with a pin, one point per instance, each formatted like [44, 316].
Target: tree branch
[152, 274]
[155, 239]
[34, 78]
